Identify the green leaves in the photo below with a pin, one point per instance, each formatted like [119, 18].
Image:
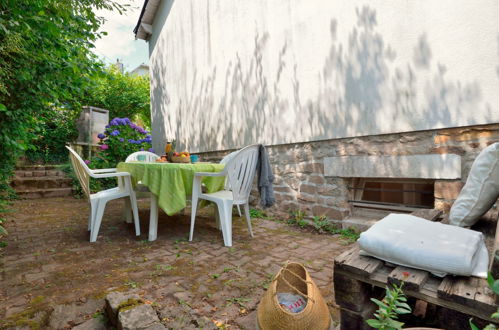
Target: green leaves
[472, 325]
[402, 311]
[392, 305]
[374, 323]
[124, 95]
[46, 63]
[380, 304]
[493, 284]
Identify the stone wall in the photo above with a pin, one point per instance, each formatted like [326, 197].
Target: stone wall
[299, 169]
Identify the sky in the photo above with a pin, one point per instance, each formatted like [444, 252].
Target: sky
[120, 41]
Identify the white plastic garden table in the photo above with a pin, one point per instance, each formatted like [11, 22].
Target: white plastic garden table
[170, 184]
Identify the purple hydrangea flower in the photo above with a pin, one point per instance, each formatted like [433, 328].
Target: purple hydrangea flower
[115, 132]
[87, 161]
[116, 122]
[151, 150]
[104, 147]
[141, 149]
[101, 136]
[122, 139]
[132, 141]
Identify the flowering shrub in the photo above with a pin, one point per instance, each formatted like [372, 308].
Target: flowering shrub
[121, 138]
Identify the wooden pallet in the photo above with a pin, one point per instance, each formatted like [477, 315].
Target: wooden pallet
[468, 295]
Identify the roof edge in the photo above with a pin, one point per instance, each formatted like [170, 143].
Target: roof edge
[136, 29]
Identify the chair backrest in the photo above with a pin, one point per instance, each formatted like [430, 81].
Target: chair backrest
[241, 172]
[228, 157]
[225, 160]
[81, 170]
[150, 157]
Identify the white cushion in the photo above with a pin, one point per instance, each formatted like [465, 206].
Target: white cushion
[480, 191]
[441, 249]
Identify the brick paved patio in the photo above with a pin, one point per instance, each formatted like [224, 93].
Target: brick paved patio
[49, 263]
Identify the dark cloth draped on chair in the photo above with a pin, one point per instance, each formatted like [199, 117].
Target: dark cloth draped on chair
[265, 178]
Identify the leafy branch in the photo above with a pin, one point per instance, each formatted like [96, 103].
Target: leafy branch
[392, 305]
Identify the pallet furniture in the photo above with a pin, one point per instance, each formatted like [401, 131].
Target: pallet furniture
[359, 278]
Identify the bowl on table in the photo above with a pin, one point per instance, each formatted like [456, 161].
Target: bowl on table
[179, 159]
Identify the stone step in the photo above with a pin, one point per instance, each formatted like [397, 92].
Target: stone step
[369, 213]
[360, 224]
[38, 173]
[43, 182]
[44, 193]
[37, 167]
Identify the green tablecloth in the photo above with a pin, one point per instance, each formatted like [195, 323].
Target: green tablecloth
[172, 182]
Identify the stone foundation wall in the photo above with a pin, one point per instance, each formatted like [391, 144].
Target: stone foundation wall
[299, 168]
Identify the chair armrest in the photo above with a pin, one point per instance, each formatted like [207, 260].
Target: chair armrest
[105, 170]
[110, 175]
[222, 173]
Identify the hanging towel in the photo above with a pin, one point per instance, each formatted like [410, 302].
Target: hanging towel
[265, 178]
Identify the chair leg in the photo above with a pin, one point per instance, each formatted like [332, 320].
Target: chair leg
[127, 210]
[153, 218]
[217, 217]
[228, 221]
[101, 205]
[225, 213]
[91, 216]
[194, 203]
[136, 220]
[248, 218]
[239, 210]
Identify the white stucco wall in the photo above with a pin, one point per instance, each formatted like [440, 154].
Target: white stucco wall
[227, 73]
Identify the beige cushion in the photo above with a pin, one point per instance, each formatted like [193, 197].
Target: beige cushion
[480, 191]
[414, 242]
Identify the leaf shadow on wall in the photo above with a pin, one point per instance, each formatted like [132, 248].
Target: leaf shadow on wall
[359, 89]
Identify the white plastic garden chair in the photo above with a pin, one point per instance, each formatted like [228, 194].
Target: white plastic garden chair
[225, 160]
[141, 191]
[240, 172]
[98, 200]
[149, 156]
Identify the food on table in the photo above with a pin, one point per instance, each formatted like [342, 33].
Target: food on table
[162, 159]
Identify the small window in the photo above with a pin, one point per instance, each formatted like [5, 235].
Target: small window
[393, 194]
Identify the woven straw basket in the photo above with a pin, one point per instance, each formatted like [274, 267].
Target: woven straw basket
[178, 159]
[293, 278]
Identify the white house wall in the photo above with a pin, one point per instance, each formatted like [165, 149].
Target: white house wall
[228, 73]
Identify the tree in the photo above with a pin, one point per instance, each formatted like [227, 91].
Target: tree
[124, 95]
[46, 63]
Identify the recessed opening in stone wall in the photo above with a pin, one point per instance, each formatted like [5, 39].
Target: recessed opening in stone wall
[392, 194]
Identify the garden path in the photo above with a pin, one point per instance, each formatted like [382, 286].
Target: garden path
[49, 262]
